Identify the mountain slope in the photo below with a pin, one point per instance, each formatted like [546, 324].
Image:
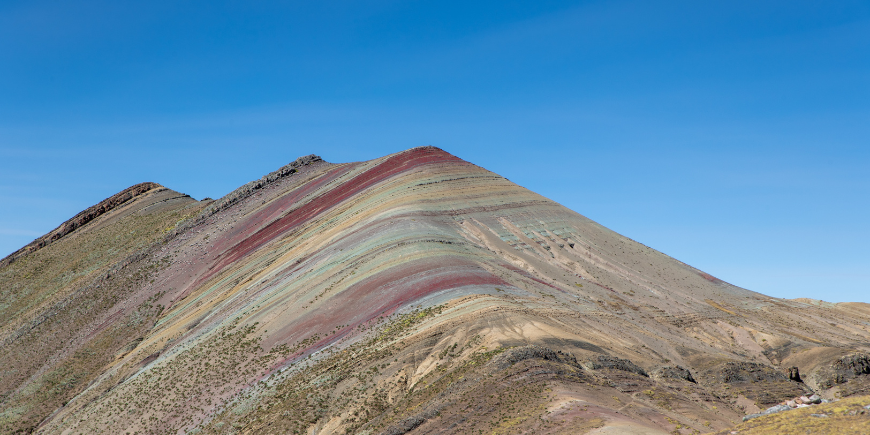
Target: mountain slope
[419, 293]
[60, 319]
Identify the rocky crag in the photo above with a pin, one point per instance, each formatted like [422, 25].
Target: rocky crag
[416, 293]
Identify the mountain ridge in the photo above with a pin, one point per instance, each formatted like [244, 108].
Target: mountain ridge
[82, 218]
[383, 296]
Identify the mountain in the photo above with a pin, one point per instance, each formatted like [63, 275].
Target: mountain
[415, 293]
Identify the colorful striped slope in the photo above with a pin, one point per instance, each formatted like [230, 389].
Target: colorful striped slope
[415, 293]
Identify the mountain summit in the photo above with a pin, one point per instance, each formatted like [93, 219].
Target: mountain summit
[415, 293]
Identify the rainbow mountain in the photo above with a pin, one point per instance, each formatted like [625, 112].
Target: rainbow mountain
[415, 293]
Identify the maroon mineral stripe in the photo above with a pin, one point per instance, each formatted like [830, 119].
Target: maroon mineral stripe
[388, 168]
[385, 292]
[709, 277]
[255, 221]
[276, 208]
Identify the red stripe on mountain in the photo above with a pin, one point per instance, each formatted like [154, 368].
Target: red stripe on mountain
[381, 295]
[278, 207]
[252, 223]
[390, 167]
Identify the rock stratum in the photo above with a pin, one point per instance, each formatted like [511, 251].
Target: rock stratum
[412, 294]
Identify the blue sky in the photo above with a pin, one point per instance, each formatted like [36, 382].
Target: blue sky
[734, 136]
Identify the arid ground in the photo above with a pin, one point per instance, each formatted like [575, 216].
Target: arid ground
[415, 293]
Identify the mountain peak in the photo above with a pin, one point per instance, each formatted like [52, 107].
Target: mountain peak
[83, 218]
[413, 293]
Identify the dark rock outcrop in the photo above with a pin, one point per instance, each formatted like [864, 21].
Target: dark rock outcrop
[856, 364]
[733, 372]
[518, 354]
[794, 374]
[763, 384]
[249, 188]
[843, 370]
[614, 363]
[411, 423]
[673, 372]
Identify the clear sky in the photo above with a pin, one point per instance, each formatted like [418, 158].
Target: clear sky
[731, 135]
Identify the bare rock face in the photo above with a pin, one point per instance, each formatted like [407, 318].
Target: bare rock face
[844, 369]
[853, 365]
[516, 355]
[673, 372]
[794, 374]
[734, 372]
[763, 384]
[613, 363]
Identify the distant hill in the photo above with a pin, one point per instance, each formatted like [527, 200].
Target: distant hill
[415, 293]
